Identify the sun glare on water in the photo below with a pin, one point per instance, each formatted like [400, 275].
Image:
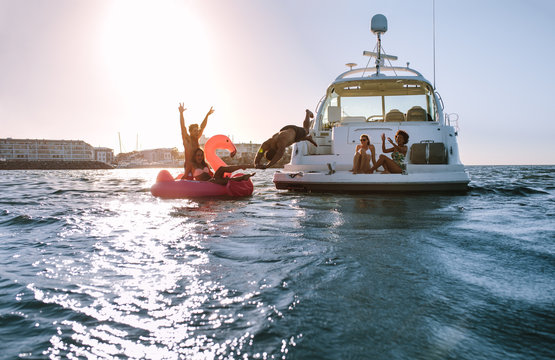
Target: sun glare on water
[155, 53]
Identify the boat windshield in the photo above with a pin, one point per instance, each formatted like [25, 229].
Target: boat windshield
[378, 100]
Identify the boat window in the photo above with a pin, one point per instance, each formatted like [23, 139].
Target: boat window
[370, 100]
[404, 102]
[362, 106]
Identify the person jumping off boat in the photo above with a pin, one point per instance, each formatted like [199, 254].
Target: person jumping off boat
[190, 139]
[274, 148]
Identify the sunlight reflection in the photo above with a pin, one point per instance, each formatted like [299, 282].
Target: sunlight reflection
[149, 284]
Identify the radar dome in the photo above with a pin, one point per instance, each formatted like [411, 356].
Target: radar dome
[378, 24]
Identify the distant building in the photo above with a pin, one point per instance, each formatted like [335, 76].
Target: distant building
[104, 154]
[147, 158]
[244, 150]
[157, 155]
[37, 149]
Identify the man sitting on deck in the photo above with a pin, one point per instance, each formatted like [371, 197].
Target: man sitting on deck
[274, 148]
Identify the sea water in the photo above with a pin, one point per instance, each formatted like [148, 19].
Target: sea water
[93, 267]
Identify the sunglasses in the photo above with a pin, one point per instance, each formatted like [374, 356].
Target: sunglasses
[363, 139]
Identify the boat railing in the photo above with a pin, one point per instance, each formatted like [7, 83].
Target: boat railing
[452, 120]
[383, 68]
[440, 100]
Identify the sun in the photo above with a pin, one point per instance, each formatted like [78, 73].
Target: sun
[154, 53]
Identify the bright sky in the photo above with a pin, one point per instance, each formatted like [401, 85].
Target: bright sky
[89, 69]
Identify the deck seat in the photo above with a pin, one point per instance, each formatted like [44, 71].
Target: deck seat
[428, 152]
[418, 153]
[416, 113]
[394, 115]
[334, 114]
[437, 153]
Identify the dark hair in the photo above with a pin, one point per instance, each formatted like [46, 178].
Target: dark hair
[192, 126]
[270, 154]
[404, 135]
[203, 162]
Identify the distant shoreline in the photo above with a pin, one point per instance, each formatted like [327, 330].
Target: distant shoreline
[80, 165]
[53, 165]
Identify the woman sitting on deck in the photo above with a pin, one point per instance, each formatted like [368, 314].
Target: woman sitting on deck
[395, 165]
[363, 154]
[202, 172]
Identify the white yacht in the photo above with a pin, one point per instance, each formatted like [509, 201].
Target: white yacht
[376, 101]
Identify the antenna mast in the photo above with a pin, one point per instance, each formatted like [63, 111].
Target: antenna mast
[119, 137]
[434, 36]
[378, 26]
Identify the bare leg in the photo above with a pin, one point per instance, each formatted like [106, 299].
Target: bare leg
[242, 177]
[228, 169]
[356, 162]
[219, 175]
[378, 163]
[365, 163]
[391, 166]
[306, 123]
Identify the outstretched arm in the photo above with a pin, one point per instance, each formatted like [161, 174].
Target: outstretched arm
[306, 123]
[259, 155]
[401, 149]
[203, 124]
[184, 133]
[279, 153]
[383, 145]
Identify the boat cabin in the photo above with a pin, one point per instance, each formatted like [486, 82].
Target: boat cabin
[378, 104]
[387, 100]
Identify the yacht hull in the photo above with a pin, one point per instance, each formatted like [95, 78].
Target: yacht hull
[347, 182]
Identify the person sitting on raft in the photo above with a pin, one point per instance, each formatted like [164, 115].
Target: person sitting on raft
[395, 165]
[274, 148]
[363, 154]
[202, 172]
[190, 139]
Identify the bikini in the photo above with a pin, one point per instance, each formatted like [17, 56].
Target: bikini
[198, 172]
[399, 159]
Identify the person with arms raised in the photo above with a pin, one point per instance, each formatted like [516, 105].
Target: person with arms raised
[396, 164]
[190, 139]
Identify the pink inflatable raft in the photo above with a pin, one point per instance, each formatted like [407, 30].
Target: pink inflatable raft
[169, 188]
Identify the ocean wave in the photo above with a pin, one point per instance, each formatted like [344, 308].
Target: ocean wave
[27, 220]
[520, 190]
[66, 191]
[18, 203]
